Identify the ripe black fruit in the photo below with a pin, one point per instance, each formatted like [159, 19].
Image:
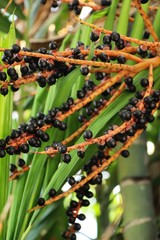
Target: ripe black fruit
[62, 149]
[21, 162]
[143, 1]
[106, 3]
[125, 153]
[115, 36]
[41, 201]
[94, 36]
[84, 71]
[66, 158]
[12, 167]
[52, 192]
[2, 153]
[121, 59]
[15, 48]
[71, 181]
[144, 82]
[87, 134]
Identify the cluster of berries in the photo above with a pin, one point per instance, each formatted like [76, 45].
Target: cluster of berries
[30, 67]
[32, 133]
[76, 5]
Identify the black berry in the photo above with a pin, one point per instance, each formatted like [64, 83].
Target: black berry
[41, 201]
[125, 153]
[87, 134]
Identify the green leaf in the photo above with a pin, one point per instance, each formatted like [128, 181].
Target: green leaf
[6, 104]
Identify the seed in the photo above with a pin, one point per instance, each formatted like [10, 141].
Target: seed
[42, 50]
[8, 54]
[94, 36]
[120, 44]
[79, 195]
[73, 236]
[85, 203]
[71, 219]
[81, 216]
[11, 72]
[156, 93]
[52, 192]
[142, 51]
[84, 71]
[63, 126]
[130, 132]
[144, 82]
[73, 204]
[115, 36]
[44, 137]
[12, 167]
[81, 153]
[107, 39]
[51, 80]
[77, 10]
[32, 142]
[65, 107]
[111, 143]
[56, 123]
[66, 158]
[30, 129]
[14, 89]
[15, 134]
[71, 181]
[125, 115]
[99, 75]
[87, 134]
[77, 226]
[106, 3]
[150, 117]
[41, 81]
[128, 81]
[125, 153]
[143, 1]
[43, 1]
[65, 234]
[3, 76]
[146, 34]
[89, 194]
[10, 150]
[121, 59]
[131, 88]
[4, 91]
[16, 48]
[2, 153]
[21, 162]
[103, 57]
[2, 143]
[80, 94]
[53, 45]
[70, 101]
[137, 113]
[148, 99]
[89, 111]
[62, 148]
[42, 64]
[41, 201]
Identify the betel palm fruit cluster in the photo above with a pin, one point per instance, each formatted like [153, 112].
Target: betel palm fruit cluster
[109, 68]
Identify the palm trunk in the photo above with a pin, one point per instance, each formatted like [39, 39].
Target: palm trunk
[139, 220]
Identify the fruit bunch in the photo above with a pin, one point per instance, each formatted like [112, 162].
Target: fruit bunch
[109, 67]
